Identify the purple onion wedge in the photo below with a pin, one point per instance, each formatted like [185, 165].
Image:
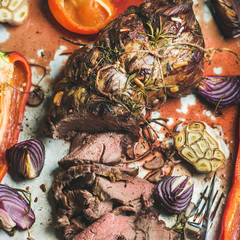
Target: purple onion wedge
[227, 16]
[174, 193]
[15, 210]
[27, 158]
[221, 91]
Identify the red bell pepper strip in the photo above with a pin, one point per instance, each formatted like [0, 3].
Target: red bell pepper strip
[15, 84]
[231, 218]
[83, 16]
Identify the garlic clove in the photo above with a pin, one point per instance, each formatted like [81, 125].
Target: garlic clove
[203, 165]
[4, 3]
[20, 15]
[216, 165]
[189, 154]
[5, 15]
[15, 4]
[180, 139]
[196, 126]
[193, 137]
[203, 144]
[218, 155]
[197, 150]
[209, 154]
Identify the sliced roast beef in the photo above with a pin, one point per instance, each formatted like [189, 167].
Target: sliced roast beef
[121, 225]
[128, 193]
[69, 182]
[106, 148]
[72, 228]
[96, 201]
[94, 207]
[111, 227]
[154, 229]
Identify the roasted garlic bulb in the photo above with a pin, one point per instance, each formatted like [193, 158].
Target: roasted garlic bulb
[202, 146]
[14, 12]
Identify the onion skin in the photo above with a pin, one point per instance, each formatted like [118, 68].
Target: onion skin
[27, 158]
[227, 16]
[174, 200]
[15, 206]
[222, 91]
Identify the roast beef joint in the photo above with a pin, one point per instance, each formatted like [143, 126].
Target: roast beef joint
[141, 58]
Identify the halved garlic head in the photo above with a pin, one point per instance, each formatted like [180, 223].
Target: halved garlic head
[14, 12]
[202, 146]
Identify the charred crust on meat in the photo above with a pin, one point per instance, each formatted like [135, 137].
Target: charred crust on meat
[144, 41]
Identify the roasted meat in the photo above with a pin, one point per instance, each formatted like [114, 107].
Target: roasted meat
[92, 204]
[119, 225]
[107, 148]
[141, 57]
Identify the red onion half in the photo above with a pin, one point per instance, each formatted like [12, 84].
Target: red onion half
[224, 91]
[27, 158]
[227, 16]
[14, 209]
[174, 199]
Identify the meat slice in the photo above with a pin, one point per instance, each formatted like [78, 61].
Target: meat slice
[83, 176]
[94, 207]
[119, 224]
[106, 148]
[154, 229]
[128, 193]
[111, 227]
[100, 115]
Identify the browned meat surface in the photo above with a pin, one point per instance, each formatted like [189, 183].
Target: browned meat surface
[106, 148]
[141, 57]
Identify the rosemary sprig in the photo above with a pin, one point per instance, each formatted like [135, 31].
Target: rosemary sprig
[73, 42]
[157, 35]
[110, 55]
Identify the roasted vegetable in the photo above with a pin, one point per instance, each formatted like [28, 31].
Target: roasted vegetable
[227, 16]
[231, 218]
[202, 146]
[14, 12]
[15, 209]
[15, 84]
[174, 193]
[221, 91]
[27, 158]
[84, 16]
[139, 59]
